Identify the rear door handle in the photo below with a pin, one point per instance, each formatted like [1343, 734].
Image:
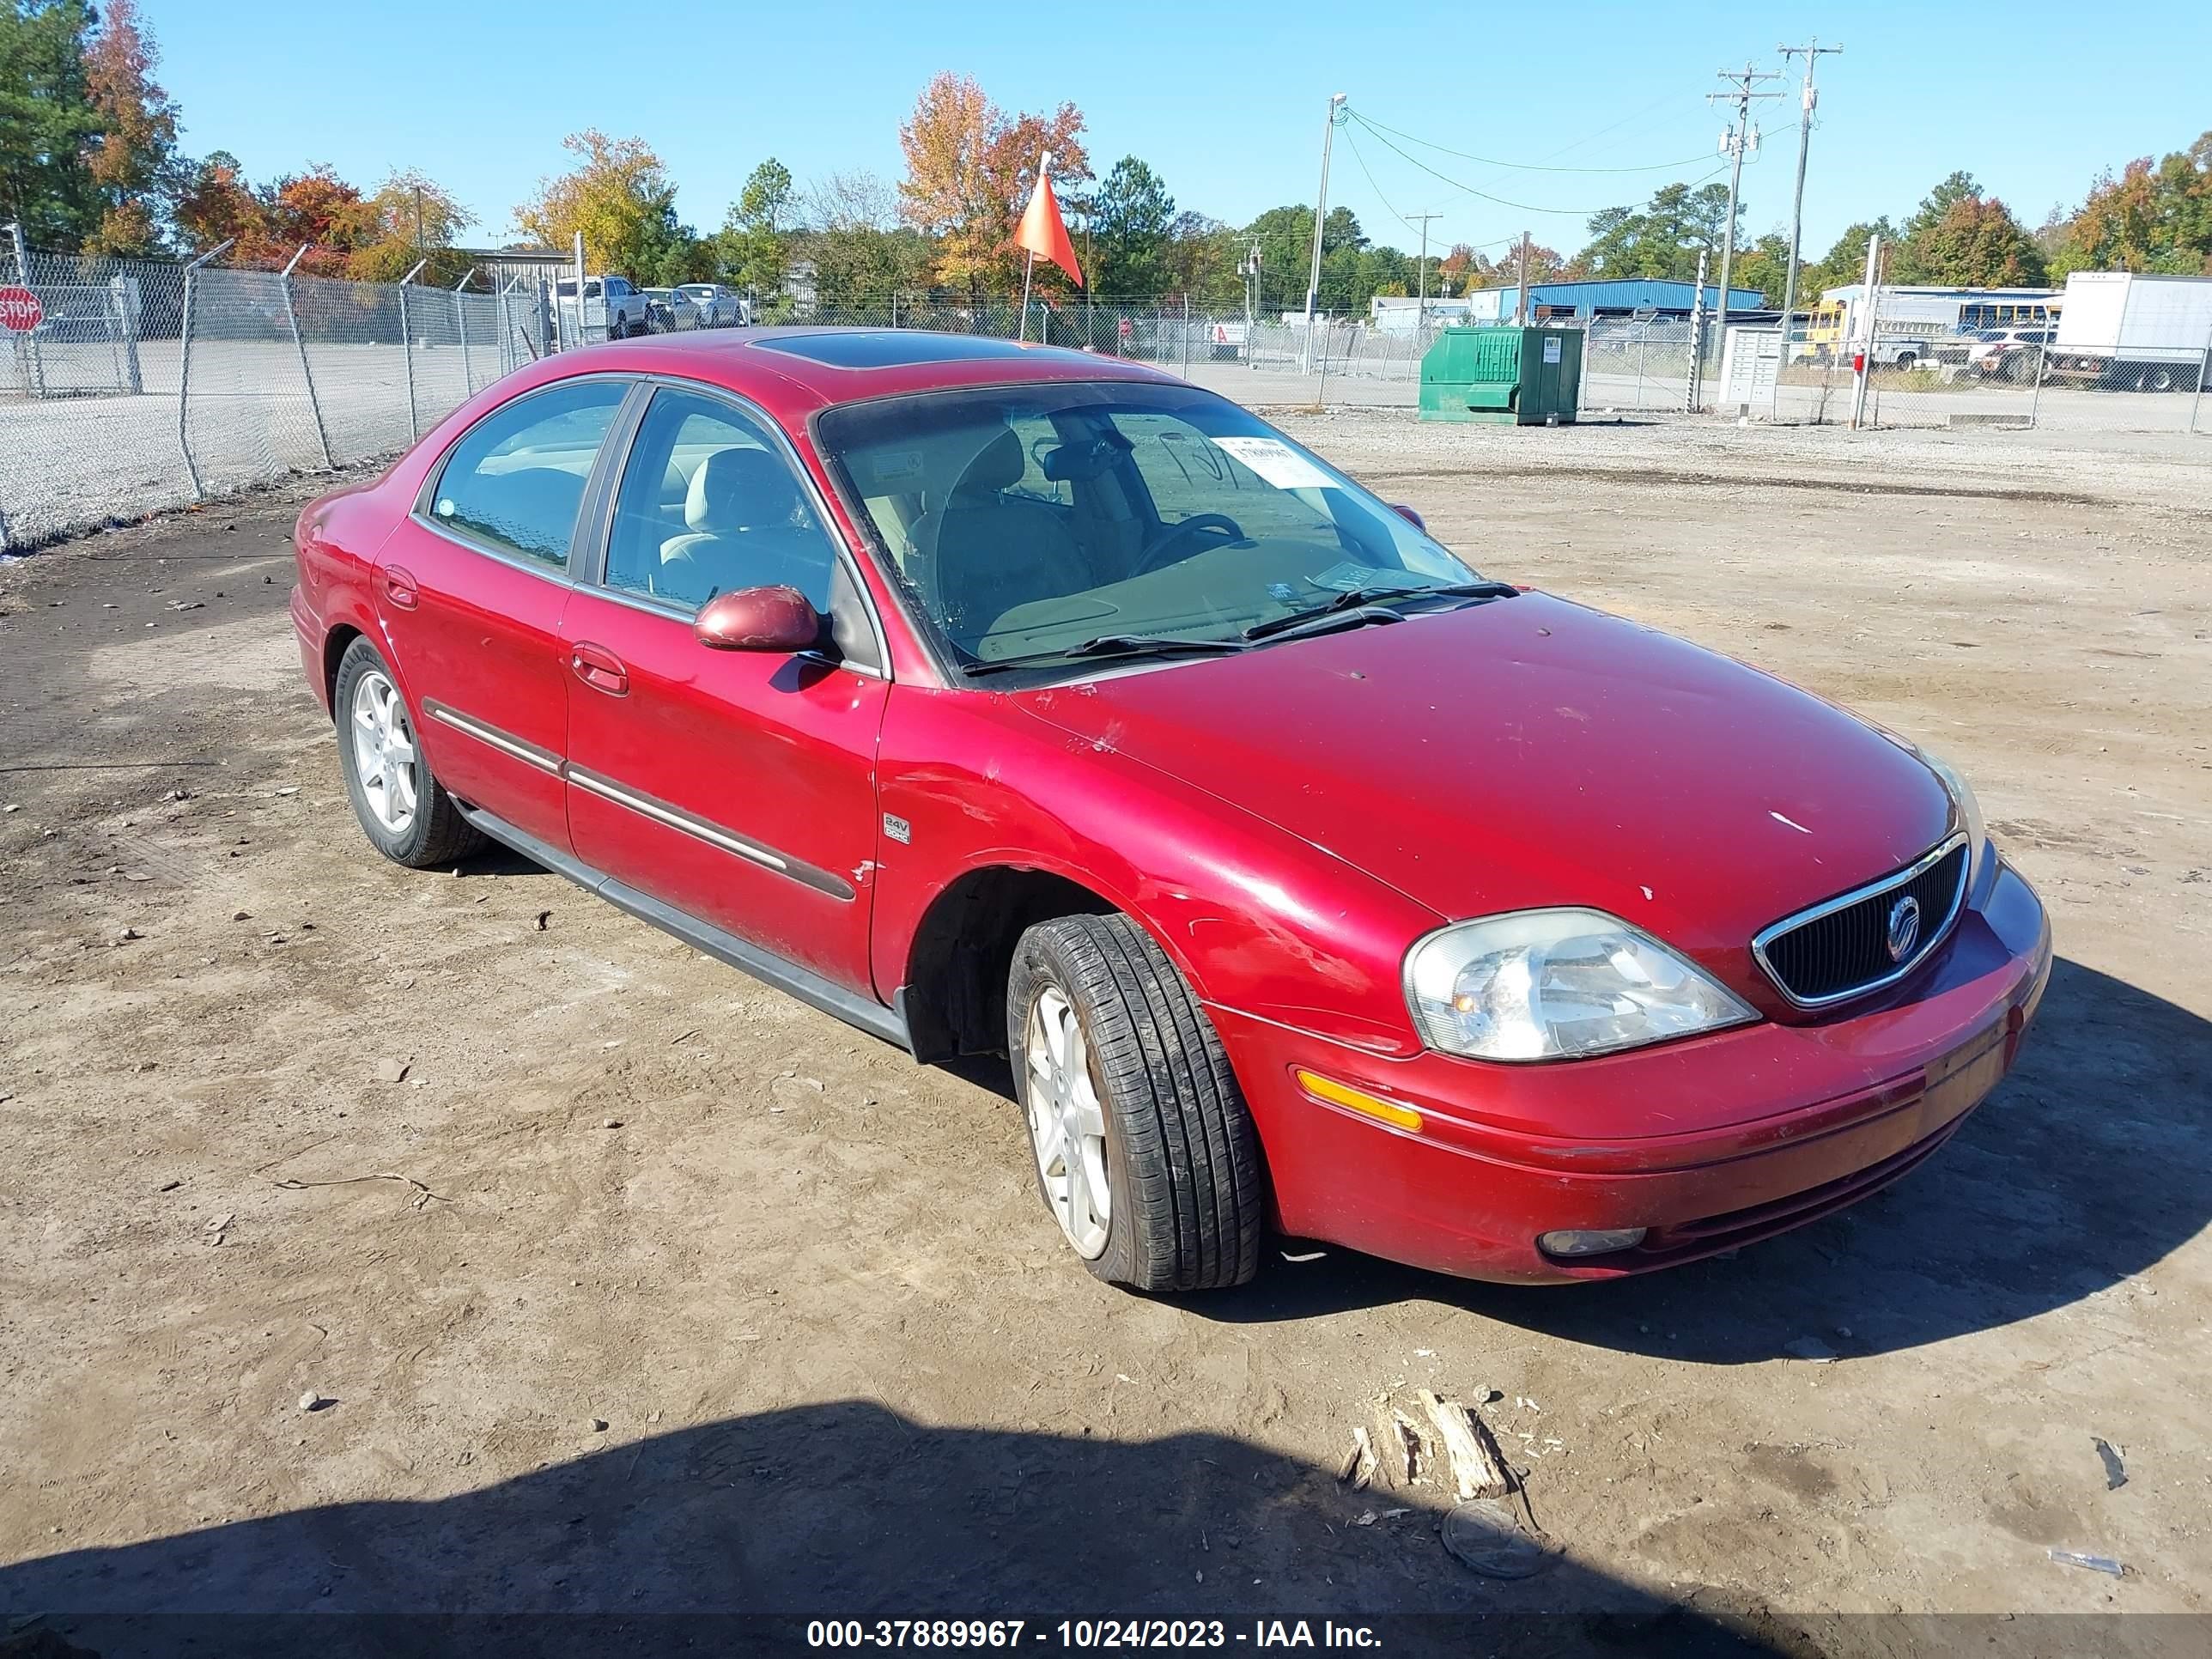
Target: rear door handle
[399, 587]
[599, 668]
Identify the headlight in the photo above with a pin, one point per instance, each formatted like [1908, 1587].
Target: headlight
[1970, 815]
[1557, 984]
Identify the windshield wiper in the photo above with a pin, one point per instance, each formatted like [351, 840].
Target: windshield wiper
[1355, 599]
[1110, 645]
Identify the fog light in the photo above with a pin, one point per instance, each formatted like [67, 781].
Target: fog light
[1590, 1242]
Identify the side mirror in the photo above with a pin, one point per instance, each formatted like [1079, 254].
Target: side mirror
[779, 619]
[1410, 516]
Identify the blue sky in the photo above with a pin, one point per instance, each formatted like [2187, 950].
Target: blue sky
[1226, 104]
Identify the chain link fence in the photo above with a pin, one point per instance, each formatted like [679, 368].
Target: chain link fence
[148, 384]
[2096, 376]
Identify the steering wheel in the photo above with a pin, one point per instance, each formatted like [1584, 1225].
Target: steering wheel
[1152, 558]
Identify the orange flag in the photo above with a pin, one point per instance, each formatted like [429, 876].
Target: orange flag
[1042, 230]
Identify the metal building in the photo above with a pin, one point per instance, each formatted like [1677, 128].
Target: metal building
[1653, 296]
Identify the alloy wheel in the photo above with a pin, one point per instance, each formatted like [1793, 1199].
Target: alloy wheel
[384, 752]
[1067, 1124]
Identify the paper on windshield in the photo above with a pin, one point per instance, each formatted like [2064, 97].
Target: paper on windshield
[1276, 462]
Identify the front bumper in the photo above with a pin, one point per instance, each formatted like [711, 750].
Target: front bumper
[1707, 1144]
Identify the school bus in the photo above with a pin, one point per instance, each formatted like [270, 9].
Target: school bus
[1920, 324]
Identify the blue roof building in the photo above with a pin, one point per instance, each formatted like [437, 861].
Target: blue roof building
[1606, 299]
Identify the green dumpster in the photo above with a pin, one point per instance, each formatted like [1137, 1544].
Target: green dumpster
[1506, 376]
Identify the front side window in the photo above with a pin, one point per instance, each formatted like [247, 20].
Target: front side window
[516, 478]
[709, 504]
[1034, 520]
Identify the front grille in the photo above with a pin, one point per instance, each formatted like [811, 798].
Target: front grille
[1841, 949]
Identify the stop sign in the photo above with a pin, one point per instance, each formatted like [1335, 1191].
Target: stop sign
[19, 310]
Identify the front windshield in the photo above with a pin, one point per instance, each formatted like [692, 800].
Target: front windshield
[1028, 520]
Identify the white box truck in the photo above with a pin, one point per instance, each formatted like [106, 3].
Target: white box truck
[2126, 333]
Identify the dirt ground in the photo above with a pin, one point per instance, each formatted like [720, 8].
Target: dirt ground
[647, 1290]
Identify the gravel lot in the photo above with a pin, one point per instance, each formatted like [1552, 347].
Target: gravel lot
[645, 1289]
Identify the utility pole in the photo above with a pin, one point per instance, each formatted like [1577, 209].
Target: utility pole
[1863, 333]
[1321, 215]
[1694, 391]
[1521, 311]
[1809, 98]
[1738, 138]
[1249, 268]
[1421, 311]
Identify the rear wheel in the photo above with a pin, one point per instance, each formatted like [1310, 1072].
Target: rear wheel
[403, 810]
[1145, 1149]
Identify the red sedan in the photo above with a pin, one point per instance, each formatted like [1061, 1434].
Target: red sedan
[1001, 699]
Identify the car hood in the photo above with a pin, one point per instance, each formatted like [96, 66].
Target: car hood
[1531, 751]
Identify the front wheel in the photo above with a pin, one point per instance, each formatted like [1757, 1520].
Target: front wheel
[403, 810]
[1146, 1151]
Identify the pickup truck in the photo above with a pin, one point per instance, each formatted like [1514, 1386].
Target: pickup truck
[614, 306]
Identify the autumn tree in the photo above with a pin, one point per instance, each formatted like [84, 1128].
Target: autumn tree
[1975, 243]
[319, 211]
[969, 169]
[2151, 218]
[619, 194]
[132, 159]
[410, 218]
[218, 206]
[1461, 270]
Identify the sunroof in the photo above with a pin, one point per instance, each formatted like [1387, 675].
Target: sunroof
[893, 348]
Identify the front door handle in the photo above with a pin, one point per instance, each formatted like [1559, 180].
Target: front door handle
[599, 668]
[399, 588]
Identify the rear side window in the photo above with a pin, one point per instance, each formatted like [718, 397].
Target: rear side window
[516, 478]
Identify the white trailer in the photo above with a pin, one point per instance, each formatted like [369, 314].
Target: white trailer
[2131, 332]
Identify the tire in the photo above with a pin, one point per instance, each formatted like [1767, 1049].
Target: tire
[617, 329]
[1179, 1158]
[2159, 380]
[432, 831]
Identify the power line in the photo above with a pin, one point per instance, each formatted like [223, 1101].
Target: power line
[1659, 102]
[1377, 189]
[1470, 190]
[1524, 167]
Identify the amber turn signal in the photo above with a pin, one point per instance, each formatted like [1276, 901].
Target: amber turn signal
[1359, 1100]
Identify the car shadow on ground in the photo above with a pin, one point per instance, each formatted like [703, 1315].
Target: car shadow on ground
[844, 1511]
[2087, 1166]
[493, 859]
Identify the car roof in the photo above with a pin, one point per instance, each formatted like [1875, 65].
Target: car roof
[794, 371]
